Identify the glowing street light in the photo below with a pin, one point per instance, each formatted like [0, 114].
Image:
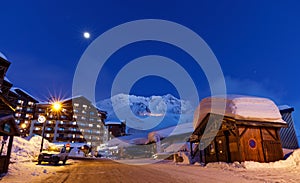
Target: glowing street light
[56, 107]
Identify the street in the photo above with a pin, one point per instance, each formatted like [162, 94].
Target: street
[86, 171]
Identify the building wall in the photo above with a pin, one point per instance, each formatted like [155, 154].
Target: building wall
[288, 135]
[78, 121]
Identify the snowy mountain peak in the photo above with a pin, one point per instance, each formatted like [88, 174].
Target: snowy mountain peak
[168, 107]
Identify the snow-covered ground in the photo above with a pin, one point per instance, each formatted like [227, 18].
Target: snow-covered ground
[24, 169]
[23, 166]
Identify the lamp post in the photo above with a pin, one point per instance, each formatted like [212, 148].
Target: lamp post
[55, 107]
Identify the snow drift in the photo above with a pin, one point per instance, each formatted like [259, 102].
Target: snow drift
[26, 150]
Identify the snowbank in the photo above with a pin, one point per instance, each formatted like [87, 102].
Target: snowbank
[293, 161]
[239, 107]
[24, 150]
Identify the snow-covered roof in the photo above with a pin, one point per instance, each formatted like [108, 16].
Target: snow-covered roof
[3, 56]
[6, 79]
[285, 107]
[113, 122]
[176, 147]
[180, 129]
[239, 107]
[13, 89]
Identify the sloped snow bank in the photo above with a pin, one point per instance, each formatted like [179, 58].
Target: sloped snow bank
[26, 150]
[293, 161]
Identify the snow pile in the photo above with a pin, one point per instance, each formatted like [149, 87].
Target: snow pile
[225, 166]
[293, 161]
[24, 150]
[239, 107]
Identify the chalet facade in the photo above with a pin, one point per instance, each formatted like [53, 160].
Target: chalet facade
[250, 134]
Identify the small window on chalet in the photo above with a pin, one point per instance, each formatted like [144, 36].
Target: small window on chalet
[30, 103]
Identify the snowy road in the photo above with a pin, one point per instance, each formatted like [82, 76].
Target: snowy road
[110, 171]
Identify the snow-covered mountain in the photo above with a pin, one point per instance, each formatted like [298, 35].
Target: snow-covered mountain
[148, 113]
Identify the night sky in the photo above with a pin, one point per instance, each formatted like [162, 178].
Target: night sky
[257, 44]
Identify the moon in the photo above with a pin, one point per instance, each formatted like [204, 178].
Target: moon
[86, 35]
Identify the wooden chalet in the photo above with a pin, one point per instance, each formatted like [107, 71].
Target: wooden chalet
[232, 138]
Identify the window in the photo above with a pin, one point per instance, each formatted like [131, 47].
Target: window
[37, 128]
[19, 108]
[90, 125]
[28, 116]
[18, 115]
[74, 123]
[30, 103]
[73, 136]
[83, 112]
[61, 129]
[98, 126]
[92, 113]
[26, 121]
[76, 104]
[20, 102]
[47, 135]
[61, 122]
[84, 106]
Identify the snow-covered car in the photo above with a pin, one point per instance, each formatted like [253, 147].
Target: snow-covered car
[54, 155]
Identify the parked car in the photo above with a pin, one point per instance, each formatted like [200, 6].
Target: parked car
[54, 155]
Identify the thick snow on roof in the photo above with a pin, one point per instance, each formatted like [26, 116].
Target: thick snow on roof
[3, 56]
[239, 107]
[13, 89]
[284, 107]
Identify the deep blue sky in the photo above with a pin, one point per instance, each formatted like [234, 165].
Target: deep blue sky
[256, 42]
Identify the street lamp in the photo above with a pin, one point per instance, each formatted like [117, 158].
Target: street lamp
[55, 107]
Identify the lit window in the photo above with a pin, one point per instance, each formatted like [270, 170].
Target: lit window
[47, 135]
[73, 136]
[20, 101]
[83, 118]
[97, 131]
[98, 126]
[74, 123]
[81, 136]
[18, 115]
[75, 111]
[90, 125]
[19, 108]
[37, 128]
[30, 103]
[83, 112]
[28, 116]
[76, 104]
[61, 122]
[17, 121]
[26, 121]
[74, 116]
[85, 106]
